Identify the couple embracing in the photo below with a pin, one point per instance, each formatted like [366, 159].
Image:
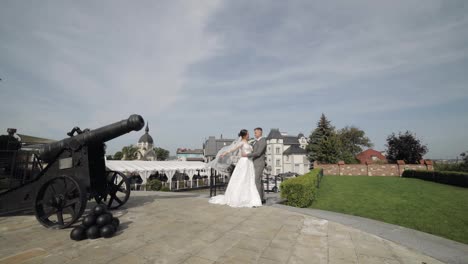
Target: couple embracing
[245, 188]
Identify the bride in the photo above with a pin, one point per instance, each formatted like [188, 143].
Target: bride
[241, 190]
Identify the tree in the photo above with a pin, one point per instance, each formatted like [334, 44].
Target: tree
[353, 140]
[118, 155]
[405, 146]
[318, 139]
[130, 152]
[162, 154]
[328, 149]
[464, 164]
[327, 145]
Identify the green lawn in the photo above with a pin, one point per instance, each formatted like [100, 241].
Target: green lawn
[426, 206]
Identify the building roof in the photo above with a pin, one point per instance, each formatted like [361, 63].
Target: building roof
[195, 159]
[30, 140]
[287, 140]
[189, 151]
[295, 150]
[290, 140]
[275, 134]
[213, 145]
[367, 154]
[146, 138]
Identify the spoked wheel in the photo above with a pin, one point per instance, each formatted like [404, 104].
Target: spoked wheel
[60, 202]
[117, 191]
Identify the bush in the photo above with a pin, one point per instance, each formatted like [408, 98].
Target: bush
[462, 167]
[301, 191]
[154, 185]
[165, 189]
[446, 177]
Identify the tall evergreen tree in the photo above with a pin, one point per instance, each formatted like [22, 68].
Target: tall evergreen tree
[318, 139]
[329, 149]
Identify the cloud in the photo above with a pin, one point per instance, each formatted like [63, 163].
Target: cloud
[195, 69]
[93, 62]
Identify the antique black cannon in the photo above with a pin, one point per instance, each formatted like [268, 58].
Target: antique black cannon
[56, 180]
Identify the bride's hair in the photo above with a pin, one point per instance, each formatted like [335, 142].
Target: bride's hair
[243, 133]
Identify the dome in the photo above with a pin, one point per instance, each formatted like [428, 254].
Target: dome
[146, 138]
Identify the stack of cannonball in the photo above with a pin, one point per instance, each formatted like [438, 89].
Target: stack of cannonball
[98, 223]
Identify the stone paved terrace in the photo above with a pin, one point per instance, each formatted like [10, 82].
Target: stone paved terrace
[179, 228]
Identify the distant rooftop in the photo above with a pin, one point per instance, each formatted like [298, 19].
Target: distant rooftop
[189, 151]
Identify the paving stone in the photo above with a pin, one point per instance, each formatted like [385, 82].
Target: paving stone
[365, 259]
[267, 261]
[197, 260]
[23, 256]
[243, 254]
[312, 240]
[170, 228]
[345, 255]
[130, 258]
[284, 244]
[276, 254]
[316, 254]
[253, 244]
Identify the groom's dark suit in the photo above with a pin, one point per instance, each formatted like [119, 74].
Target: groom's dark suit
[258, 156]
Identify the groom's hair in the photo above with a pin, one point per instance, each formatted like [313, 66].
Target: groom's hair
[258, 128]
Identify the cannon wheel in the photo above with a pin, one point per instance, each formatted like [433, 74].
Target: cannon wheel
[117, 191]
[60, 202]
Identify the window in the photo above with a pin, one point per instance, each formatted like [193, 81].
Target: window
[296, 168]
[287, 158]
[278, 171]
[277, 150]
[278, 162]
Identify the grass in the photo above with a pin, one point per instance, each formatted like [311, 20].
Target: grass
[430, 207]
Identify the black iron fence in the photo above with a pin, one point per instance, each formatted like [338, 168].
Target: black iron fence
[218, 183]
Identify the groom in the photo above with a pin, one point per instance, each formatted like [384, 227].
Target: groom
[258, 156]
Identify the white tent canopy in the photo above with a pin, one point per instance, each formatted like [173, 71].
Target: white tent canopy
[147, 168]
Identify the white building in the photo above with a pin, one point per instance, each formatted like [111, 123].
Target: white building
[286, 153]
[146, 147]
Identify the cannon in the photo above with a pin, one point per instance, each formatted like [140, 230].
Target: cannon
[56, 180]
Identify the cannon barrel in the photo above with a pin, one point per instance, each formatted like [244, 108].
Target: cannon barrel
[100, 135]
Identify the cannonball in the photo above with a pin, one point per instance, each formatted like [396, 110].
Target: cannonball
[99, 210]
[89, 220]
[115, 222]
[78, 233]
[104, 219]
[93, 232]
[107, 231]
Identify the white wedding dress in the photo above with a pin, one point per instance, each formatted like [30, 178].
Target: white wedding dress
[241, 190]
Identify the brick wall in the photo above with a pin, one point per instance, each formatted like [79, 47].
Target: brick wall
[370, 169]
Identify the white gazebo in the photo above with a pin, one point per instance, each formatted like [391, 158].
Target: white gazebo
[146, 168]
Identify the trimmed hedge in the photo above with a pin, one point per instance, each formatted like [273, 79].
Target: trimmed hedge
[446, 177]
[301, 191]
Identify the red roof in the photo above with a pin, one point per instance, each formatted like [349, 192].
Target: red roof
[370, 155]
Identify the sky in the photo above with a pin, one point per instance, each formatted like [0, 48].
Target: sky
[195, 69]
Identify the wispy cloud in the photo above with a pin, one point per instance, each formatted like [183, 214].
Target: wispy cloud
[211, 67]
